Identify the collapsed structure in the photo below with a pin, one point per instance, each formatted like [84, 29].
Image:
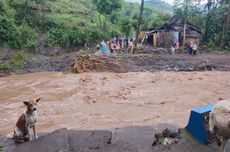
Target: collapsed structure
[172, 32]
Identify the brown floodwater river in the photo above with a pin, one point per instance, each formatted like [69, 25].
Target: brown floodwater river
[109, 100]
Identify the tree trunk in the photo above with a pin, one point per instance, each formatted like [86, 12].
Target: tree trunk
[184, 37]
[225, 27]
[222, 36]
[139, 21]
[228, 18]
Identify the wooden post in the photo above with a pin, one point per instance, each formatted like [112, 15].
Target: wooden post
[184, 36]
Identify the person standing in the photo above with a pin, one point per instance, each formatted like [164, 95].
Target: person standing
[195, 49]
[111, 46]
[131, 46]
[191, 48]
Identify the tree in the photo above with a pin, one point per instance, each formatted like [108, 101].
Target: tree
[109, 9]
[126, 26]
[9, 31]
[106, 7]
[226, 27]
[139, 21]
[186, 9]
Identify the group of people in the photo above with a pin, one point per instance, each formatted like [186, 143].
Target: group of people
[112, 46]
[191, 49]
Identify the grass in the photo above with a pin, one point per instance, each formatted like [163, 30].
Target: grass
[70, 12]
[14, 63]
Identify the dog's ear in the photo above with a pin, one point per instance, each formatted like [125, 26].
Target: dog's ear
[38, 99]
[26, 103]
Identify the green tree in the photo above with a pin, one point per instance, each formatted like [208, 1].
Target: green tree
[9, 32]
[126, 26]
[108, 6]
[226, 27]
[109, 9]
[186, 9]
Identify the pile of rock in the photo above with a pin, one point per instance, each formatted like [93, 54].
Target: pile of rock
[160, 51]
[150, 50]
[166, 137]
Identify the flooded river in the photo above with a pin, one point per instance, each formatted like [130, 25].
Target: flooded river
[109, 100]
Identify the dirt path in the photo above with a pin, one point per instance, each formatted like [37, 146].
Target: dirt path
[108, 100]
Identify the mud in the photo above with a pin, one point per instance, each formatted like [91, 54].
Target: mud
[151, 63]
[109, 100]
[112, 93]
[121, 63]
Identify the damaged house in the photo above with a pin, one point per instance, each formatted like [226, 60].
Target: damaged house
[172, 32]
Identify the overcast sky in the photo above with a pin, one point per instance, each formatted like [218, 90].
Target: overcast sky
[171, 1]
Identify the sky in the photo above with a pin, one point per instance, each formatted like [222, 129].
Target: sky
[168, 1]
[171, 1]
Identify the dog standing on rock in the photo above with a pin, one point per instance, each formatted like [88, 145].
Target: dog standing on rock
[219, 122]
[26, 121]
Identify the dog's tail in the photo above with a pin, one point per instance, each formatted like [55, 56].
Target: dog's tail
[10, 135]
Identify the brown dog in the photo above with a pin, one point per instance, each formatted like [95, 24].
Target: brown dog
[26, 121]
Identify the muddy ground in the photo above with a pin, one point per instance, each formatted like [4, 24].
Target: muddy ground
[151, 63]
[122, 63]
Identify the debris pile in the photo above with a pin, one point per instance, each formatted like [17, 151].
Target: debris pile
[155, 51]
[144, 63]
[92, 63]
[160, 51]
[166, 137]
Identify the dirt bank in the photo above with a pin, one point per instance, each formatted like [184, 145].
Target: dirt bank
[107, 100]
[151, 63]
[122, 63]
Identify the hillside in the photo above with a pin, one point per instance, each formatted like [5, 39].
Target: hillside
[70, 23]
[66, 23]
[157, 5]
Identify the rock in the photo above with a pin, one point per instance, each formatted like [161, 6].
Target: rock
[56, 141]
[88, 140]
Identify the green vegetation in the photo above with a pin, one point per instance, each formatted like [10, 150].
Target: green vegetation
[16, 62]
[27, 24]
[70, 23]
[215, 21]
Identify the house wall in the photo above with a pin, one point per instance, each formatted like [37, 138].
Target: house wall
[169, 38]
[163, 39]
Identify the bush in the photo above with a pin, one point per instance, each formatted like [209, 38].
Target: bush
[3, 65]
[70, 37]
[29, 36]
[16, 62]
[180, 50]
[210, 44]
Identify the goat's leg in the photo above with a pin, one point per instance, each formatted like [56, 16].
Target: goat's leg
[223, 145]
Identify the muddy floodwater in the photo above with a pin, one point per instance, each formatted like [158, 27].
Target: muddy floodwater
[109, 100]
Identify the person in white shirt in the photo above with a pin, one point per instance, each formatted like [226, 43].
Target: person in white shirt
[194, 49]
